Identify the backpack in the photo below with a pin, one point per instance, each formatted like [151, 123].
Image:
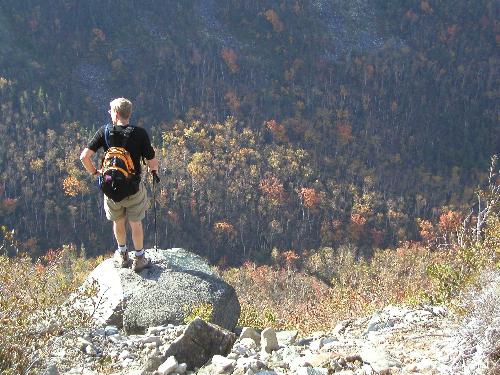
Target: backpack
[118, 179]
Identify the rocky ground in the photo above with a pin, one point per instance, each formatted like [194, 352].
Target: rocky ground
[395, 340]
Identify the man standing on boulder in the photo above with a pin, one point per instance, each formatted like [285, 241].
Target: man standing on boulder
[133, 207]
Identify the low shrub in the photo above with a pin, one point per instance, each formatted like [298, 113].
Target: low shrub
[202, 310]
[33, 308]
[478, 343]
[332, 285]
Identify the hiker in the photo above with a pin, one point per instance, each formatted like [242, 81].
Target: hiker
[133, 207]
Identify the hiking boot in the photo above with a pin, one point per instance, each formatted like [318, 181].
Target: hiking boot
[141, 262]
[123, 259]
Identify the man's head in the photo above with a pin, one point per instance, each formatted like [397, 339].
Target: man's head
[121, 107]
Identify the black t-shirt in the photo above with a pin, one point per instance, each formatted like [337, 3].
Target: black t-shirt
[138, 143]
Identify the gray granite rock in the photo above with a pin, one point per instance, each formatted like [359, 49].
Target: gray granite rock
[177, 283]
[200, 342]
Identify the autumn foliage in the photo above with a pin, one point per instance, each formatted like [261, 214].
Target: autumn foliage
[34, 307]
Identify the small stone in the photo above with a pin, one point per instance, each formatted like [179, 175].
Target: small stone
[83, 343]
[127, 362]
[249, 332]
[312, 371]
[341, 327]
[245, 347]
[379, 359]
[59, 353]
[269, 341]
[181, 369]
[154, 331]
[151, 345]
[320, 359]
[438, 310]
[150, 339]
[377, 323]
[286, 337]
[248, 343]
[424, 365]
[336, 365]
[123, 355]
[115, 339]
[298, 362]
[90, 350]
[317, 344]
[51, 370]
[110, 331]
[168, 367]
[367, 369]
[222, 364]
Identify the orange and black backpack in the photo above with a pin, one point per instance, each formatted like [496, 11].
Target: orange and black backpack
[118, 179]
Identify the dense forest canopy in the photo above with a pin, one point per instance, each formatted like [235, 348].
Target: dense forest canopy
[280, 124]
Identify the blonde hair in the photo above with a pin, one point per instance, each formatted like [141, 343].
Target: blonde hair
[122, 106]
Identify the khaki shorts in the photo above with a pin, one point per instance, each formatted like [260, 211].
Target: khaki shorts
[133, 207]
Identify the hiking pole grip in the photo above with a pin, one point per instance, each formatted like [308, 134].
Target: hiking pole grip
[156, 178]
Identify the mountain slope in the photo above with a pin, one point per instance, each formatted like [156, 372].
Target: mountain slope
[391, 98]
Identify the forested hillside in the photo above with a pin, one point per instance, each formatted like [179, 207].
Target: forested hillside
[280, 124]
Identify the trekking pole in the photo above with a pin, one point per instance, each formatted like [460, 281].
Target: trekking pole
[156, 179]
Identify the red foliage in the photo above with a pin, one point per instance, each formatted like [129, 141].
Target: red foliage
[344, 130]
[449, 221]
[357, 226]
[358, 219]
[274, 19]
[273, 189]
[310, 197]
[278, 130]
[290, 257]
[229, 57]
[427, 231]
[224, 227]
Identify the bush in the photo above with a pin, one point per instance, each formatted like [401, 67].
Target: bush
[458, 267]
[202, 310]
[479, 338]
[278, 297]
[332, 285]
[33, 308]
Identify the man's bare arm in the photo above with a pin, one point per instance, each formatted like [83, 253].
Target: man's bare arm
[85, 157]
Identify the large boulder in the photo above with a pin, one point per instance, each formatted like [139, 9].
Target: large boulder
[178, 283]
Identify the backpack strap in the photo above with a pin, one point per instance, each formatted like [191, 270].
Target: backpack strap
[126, 134]
[106, 135]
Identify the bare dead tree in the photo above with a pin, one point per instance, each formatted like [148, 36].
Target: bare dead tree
[488, 200]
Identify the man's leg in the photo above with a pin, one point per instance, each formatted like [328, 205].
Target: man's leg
[137, 234]
[136, 211]
[140, 261]
[121, 238]
[120, 231]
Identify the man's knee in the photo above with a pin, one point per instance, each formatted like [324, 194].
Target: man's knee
[135, 224]
[120, 222]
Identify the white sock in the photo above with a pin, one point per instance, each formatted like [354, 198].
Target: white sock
[122, 249]
[139, 253]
